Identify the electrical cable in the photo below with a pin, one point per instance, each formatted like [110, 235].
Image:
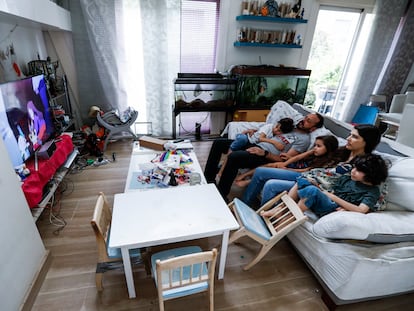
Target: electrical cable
[190, 132]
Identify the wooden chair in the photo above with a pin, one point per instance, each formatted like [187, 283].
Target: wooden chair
[108, 258]
[266, 230]
[184, 271]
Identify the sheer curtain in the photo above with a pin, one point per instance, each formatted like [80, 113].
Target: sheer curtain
[161, 54]
[135, 46]
[103, 29]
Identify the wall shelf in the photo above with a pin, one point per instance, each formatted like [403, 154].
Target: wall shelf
[268, 45]
[271, 19]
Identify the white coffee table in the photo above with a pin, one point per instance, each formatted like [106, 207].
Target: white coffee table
[149, 218]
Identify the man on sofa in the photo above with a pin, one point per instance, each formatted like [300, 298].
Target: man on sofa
[256, 156]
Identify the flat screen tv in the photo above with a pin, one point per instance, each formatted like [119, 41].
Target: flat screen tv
[25, 118]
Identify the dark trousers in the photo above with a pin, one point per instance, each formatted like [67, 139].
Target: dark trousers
[219, 146]
[236, 160]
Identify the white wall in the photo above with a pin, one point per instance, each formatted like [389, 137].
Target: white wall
[22, 250]
[229, 55]
[21, 25]
[27, 43]
[39, 13]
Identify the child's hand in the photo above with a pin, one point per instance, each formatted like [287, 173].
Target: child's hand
[313, 182]
[284, 156]
[279, 165]
[249, 132]
[272, 164]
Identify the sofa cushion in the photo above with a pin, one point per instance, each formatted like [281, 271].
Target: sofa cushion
[323, 131]
[282, 109]
[400, 184]
[378, 227]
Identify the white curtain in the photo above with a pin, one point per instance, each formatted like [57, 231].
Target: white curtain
[136, 51]
[161, 50]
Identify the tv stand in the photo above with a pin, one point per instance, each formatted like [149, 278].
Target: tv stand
[53, 184]
[50, 173]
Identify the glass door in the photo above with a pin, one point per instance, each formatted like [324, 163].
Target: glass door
[336, 52]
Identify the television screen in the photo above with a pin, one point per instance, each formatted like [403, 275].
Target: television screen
[25, 118]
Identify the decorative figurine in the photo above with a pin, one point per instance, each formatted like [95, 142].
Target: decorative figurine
[173, 181]
[295, 11]
[270, 8]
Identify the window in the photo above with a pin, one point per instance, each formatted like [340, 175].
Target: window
[339, 40]
[199, 27]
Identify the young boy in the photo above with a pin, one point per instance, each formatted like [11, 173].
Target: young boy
[268, 133]
[357, 191]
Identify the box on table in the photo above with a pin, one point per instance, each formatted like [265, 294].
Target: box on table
[152, 143]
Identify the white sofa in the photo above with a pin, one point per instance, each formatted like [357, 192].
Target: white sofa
[358, 256]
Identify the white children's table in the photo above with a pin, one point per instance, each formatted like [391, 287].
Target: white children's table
[163, 216]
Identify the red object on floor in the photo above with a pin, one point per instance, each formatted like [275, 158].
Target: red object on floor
[34, 183]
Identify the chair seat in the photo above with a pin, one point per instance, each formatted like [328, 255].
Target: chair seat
[251, 220]
[114, 253]
[186, 290]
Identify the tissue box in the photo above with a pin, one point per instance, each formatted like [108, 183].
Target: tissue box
[152, 143]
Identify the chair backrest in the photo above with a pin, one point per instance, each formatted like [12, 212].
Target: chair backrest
[287, 212]
[185, 275]
[379, 101]
[397, 103]
[365, 115]
[101, 224]
[406, 129]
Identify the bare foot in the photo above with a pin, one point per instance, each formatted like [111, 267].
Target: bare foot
[268, 213]
[274, 212]
[242, 183]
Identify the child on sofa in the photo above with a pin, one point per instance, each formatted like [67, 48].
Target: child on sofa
[358, 191]
[267, 133]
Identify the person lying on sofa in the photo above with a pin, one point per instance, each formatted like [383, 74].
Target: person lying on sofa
[269, 133]
[358, 191]
[263, 153]
[270, 181]
[323, 154]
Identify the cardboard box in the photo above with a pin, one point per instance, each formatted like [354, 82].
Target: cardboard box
[152, 143]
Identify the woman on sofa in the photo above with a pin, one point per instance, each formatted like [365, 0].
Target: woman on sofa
[271, 181]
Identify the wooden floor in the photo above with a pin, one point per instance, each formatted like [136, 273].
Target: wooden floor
[281, 281]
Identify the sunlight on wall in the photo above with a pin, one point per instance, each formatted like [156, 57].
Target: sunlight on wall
[135, 84]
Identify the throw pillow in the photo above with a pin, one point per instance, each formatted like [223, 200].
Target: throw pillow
[379, 227]
[282, 109]
[400, 185]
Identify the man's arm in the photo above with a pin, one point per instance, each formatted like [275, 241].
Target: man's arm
[278, 145]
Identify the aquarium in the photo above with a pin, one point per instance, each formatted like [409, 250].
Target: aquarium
[259, 87]
[203, 92]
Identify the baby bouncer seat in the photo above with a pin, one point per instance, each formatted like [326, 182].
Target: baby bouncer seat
[115, 125]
